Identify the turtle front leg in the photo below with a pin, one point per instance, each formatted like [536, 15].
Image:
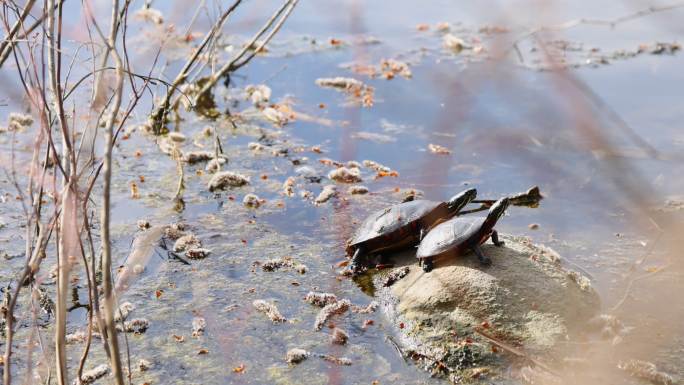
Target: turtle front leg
[356, 264]
[427, 264]
[495, 239]
[484, 260]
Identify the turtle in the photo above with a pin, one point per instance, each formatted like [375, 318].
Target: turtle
[458, 235]
[401, 226]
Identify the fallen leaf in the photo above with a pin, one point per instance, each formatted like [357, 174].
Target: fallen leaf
[239, 369]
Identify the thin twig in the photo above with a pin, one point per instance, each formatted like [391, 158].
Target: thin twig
[17, 25]
[609, 23]
[633, 279]
[278, 18]
[514, 350]
[159, 116]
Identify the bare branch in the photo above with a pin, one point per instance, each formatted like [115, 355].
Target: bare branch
[108, 296]
[180, 79]
[280, 16]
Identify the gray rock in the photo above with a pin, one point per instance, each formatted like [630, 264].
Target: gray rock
[525, 298]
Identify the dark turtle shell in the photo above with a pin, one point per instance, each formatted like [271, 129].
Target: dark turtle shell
[451, 235]
[395, 219]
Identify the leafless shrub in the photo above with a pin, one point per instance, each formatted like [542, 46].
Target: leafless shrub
[56, 186]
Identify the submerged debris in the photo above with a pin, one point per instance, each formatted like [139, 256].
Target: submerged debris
[168, 147]
[256, 147]
[330, 162]
[353, 164]
[388, 69]
[358, 190]
[193, 157]
[79, 337]
[437, 149]
[339, 82]
[92, 375]
[177, 137]
[269, 309]
[17, 122]
[174, 230]
[276, 263]
[454, 43]
[328, 311]
[320, 299]
[186, 242]
[136, 326]
[276, 116]
[124, 311]
[198, 326]
[72, 338]
[395, 275]
[328, 192]
[259, 94]
[143, 224]
[376, 166]
[197, 253]
[214, 165]
[224, 179]
[288, 186]
[296, 355]
[309, 173]
[373, 137]
[356, 89]
[144, 365]
[251, 200]
[660, 48]
[345, 175]
[336, 360]
[370, 308]
[339, 337]
[391, 68]
[646, 371]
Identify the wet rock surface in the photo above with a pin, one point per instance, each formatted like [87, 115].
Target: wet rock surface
[526, 298]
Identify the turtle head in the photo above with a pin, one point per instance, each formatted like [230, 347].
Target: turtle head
[460, 200]
[497, 210]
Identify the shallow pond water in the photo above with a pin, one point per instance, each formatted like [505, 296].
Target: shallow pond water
[507, 124]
